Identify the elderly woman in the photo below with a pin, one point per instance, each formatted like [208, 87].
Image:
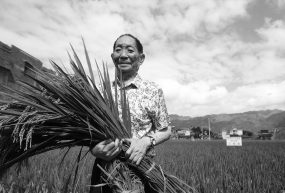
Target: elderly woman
[149, 117]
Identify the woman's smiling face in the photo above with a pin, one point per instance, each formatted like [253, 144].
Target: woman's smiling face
[126, 56]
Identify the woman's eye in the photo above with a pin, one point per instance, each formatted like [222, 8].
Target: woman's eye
[130, 51]
[117, 49]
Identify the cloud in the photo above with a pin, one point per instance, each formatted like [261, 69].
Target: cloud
[192, 48]
[239, 76]
[273, 33]
[278, 3]
[46, 29]
[257, 96]
[219, 99]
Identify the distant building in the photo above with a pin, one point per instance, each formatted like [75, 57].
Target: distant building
[15, 64]
[265, 134]
[182, 133]
[225, 134]
[234, 132]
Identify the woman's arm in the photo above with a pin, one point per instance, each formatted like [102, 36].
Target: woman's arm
[162, 135]
[139, 147]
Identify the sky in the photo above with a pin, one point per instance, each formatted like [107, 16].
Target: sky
[209, 57]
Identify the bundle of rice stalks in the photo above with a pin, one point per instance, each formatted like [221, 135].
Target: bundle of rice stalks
[67, 111]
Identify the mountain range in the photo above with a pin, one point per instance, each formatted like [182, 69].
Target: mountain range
[253, 121]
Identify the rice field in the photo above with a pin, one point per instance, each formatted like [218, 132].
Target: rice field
[208, 166]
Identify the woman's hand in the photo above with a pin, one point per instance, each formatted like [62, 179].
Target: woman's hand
[106, 150]
[138, 149]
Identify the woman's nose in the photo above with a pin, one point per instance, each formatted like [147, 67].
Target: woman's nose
[124, 54]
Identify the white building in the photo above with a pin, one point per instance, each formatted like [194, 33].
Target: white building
[234, 132]
[184, 133]
[225, 134]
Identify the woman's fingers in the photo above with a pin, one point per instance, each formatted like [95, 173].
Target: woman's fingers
[115, 152]
[131, 148]
[117, 142]
[139, 160]
[136, 156]
[108, 147]
[111, 145]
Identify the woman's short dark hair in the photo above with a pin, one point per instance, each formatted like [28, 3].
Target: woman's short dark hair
[138, 43]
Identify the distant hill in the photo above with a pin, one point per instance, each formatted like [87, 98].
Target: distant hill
[179, 117]
[252, 121]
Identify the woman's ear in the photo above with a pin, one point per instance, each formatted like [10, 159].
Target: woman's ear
[142, 57]
[112, 56]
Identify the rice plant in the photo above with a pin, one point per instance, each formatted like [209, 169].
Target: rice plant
[208, 166]
[69, 110]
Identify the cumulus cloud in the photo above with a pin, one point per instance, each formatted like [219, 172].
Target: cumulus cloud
[279, 3]
[192, 48]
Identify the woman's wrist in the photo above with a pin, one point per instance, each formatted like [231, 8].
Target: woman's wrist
[150, 141]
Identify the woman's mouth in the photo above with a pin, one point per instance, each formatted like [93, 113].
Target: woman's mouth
[124, 64]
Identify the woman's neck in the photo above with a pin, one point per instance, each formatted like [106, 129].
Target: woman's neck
[127, 77]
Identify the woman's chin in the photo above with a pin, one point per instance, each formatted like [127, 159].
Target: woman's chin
[125, 67]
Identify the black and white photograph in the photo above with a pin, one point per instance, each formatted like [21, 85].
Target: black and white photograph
[146, 96]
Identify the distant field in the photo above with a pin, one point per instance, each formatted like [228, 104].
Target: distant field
[258, 166]
[208, 166]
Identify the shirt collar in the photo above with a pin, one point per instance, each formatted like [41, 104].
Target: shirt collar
[135, 82]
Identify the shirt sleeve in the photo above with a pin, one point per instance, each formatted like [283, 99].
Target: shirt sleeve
[162, 118]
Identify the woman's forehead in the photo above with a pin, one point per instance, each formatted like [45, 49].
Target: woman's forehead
[126, 40]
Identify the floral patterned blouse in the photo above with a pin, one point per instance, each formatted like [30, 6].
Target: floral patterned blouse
[147, 106]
